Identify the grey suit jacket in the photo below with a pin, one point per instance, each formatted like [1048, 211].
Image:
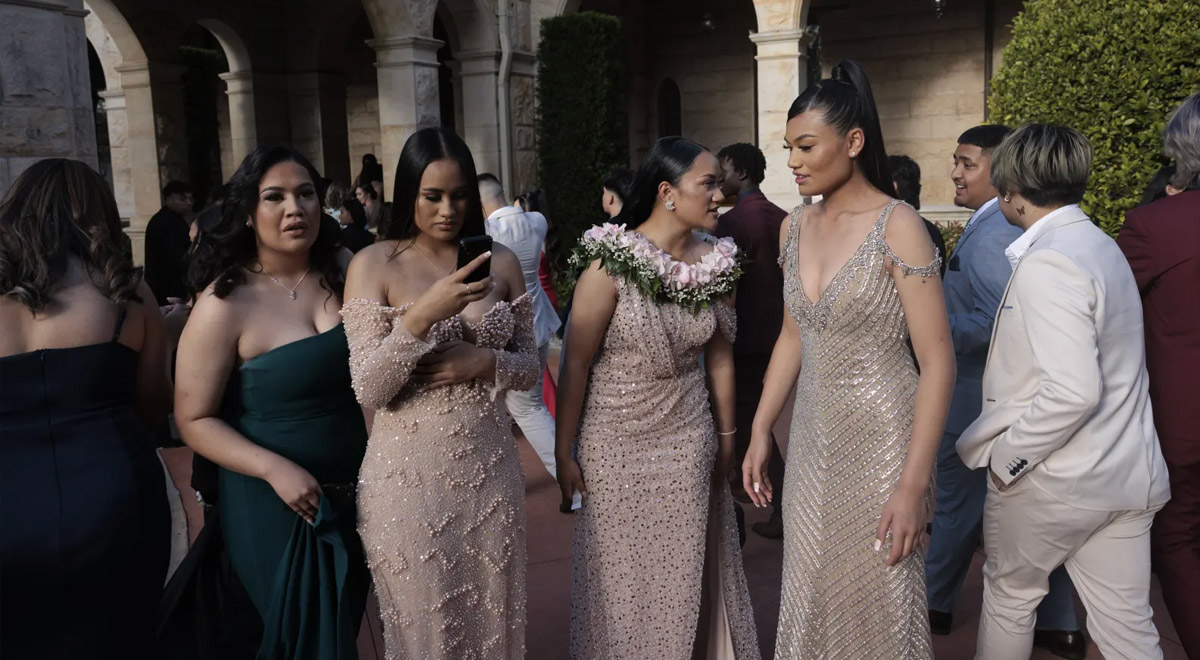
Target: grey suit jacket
[975, 278]
[1067, 402]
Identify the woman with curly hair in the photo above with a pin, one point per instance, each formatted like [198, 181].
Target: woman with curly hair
[85, 525]
[264, 392]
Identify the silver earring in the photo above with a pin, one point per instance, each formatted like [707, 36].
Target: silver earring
[670, 205]
[853, 154]
[1007, 198]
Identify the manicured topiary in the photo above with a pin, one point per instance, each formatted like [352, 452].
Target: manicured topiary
[1112, 69]
[582, 129]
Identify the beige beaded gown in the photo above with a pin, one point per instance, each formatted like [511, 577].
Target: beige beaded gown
[850, 433]
[440, 493]
[651, 518]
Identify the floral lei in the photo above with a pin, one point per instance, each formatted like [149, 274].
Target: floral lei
[655, 273]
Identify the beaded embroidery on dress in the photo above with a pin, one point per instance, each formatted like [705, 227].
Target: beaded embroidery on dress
[441, 495]
[646, 437]
[851, 428]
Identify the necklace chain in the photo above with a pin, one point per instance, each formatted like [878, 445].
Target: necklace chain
[428, 260]
[290, 289]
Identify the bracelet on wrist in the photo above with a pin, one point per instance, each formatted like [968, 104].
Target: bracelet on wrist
[734, 431]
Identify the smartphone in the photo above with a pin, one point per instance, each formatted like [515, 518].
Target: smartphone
[470, 248]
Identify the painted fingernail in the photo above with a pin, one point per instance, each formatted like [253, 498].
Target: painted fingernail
[757, 486]
[878, 545]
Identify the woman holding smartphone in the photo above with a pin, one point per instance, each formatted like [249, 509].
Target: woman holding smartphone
[432, 347]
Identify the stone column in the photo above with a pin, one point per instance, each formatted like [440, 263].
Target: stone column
[318, 116]
[522, 92]
[239, 87]
[481, 123]
[45, 86]
[119, 152]
[782, 74]
[407, 68]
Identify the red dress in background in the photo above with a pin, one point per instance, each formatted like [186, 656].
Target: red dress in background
[548, 286]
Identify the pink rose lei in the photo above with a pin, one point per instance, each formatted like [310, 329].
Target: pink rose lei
[655, 273]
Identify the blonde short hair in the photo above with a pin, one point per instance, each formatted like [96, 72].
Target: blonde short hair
[1047, 165]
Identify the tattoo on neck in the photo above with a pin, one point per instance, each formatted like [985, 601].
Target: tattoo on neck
[1021, 211]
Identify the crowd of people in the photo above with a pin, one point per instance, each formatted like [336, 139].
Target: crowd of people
[348, 371]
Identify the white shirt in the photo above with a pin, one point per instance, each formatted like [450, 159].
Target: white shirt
[981, 210]
[1019, 247]
[524, 234]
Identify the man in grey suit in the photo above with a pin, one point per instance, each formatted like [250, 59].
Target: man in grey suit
[976, 275]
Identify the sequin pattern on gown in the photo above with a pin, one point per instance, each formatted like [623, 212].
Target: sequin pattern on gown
[850, 433]
[441, 494]
[646, 448]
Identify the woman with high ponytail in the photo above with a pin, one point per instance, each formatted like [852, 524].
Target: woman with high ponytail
[868, 422]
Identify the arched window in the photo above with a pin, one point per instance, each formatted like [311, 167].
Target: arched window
[670, 121]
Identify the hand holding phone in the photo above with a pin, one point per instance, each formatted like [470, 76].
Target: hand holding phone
[468, 249]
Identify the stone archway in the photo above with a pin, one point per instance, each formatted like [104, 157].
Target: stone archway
[239, 88]
[129, 110]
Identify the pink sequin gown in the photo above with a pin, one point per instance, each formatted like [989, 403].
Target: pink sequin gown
[441, 494]
[651, 518]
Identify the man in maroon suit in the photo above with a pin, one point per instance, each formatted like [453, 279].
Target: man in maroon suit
[754, 224]
[1162, 243]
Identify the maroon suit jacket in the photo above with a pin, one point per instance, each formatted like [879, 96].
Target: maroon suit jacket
[1162, 243]
[754, 225]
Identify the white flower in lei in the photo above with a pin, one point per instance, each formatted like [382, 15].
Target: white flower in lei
[655, 273]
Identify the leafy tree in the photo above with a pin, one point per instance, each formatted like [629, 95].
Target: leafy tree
[1112, 69]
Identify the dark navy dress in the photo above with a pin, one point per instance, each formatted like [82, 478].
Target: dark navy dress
[84, 519]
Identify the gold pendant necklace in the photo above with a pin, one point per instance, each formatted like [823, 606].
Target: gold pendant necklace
[428, 260]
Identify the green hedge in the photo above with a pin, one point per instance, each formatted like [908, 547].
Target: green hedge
[582, 123]
[1112, 69]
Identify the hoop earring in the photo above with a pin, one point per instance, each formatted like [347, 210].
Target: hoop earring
[670, 206]
[1007, 199]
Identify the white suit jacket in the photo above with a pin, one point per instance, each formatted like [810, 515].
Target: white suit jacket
[524, 234]
[1065, 392]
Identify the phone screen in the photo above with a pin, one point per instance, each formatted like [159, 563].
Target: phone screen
[468, 250]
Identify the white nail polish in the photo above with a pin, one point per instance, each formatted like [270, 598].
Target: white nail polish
[878, 545]
[756, 486]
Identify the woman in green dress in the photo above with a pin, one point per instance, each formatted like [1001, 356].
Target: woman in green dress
[263, 390]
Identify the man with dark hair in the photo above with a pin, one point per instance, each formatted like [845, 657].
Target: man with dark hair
[976, 276]
[906, 177]
[754, 224]
[524, 232]
[616, 190]
[167, 241]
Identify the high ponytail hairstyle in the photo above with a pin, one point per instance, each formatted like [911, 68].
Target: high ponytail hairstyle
[668, 160]
[846, 102]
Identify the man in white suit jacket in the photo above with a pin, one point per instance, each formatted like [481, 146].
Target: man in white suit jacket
[1066, 428]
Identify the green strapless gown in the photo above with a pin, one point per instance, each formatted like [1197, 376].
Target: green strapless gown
[309, 582]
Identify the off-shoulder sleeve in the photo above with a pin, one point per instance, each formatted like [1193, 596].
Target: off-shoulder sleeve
[517, 364]
[726, 320]
[383, 352]
[934, 267]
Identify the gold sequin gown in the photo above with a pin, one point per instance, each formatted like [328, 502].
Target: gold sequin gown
[440, 495]
[646, 448]
[851, 428]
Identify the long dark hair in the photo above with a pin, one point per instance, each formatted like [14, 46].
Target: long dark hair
[846, 102]
[668, 160]
[371, 171]
[422, 148]
[55, 210]
[225, 249]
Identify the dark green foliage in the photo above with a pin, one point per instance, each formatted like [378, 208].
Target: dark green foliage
[582, 123]
[1112, 69]
[951, 232]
